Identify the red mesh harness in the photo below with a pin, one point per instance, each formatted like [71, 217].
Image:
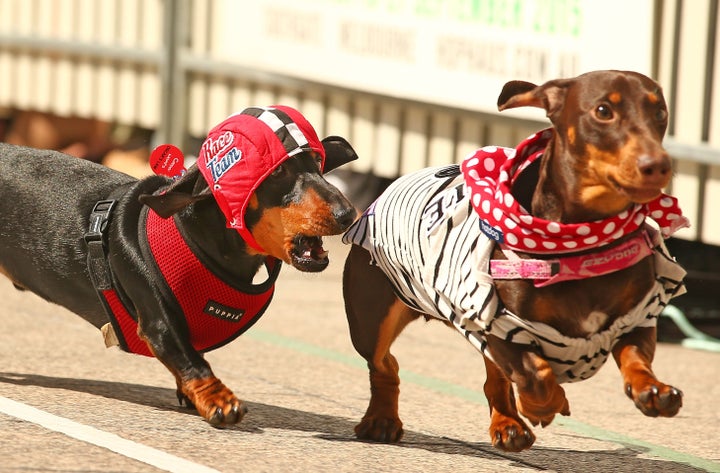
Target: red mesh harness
[236, 157]
[216, 312]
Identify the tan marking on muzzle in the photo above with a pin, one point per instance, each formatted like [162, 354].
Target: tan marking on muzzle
[313, 215]
[277, 227]
[596, 192]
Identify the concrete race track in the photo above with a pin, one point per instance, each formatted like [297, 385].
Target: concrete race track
[68, 404]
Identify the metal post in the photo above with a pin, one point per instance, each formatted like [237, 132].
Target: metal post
[173, 75]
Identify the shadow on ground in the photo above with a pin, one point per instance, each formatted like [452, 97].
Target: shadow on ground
[337, 429]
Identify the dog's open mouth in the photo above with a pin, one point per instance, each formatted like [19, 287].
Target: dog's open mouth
[308, 254]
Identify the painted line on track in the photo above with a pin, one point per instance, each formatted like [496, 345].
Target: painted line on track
[100, 438]
[471, 395]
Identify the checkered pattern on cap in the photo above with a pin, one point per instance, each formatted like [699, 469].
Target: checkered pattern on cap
[287, 131]
[240, 152]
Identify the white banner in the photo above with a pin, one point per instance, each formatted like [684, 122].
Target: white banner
[452, 52]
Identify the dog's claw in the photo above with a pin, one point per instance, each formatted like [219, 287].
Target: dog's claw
[217, 418]
[236, 414]
[184, 400]
[510, 433]
[213, 400]
[233, 416]
[670, 402]
[512, 438]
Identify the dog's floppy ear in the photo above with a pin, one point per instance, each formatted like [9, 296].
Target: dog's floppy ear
[549, 96]
[190, 188]
[337, 152]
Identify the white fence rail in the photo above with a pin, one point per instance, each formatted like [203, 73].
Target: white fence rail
[150, 63]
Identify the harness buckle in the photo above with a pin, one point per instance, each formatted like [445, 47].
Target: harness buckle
[98, 220]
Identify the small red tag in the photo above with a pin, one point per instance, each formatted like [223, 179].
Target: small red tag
[167, 160]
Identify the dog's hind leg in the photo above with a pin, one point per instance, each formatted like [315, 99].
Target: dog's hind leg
[375, 317]
[634, 353]
[507, 430]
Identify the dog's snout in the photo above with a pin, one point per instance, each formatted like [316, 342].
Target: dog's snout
[655, 169]
[345, 216]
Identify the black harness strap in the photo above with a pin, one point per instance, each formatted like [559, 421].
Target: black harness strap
[100, 272]
[95, 239]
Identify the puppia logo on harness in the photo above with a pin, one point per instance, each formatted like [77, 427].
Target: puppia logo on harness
[223, 312]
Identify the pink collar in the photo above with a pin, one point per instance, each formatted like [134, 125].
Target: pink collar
[490, 173]
[567, 268]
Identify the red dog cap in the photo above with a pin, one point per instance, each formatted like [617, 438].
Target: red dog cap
[240, 152]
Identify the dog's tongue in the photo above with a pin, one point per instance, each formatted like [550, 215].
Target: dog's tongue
[320, 253]
[315, 250]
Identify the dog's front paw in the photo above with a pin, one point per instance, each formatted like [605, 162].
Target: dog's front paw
[380, 429]
[509, 434]
[655, 398]
[213, 400]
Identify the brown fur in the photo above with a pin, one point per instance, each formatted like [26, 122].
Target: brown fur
[277, 226]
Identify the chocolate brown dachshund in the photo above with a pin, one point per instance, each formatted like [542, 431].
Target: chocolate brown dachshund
[547, 294]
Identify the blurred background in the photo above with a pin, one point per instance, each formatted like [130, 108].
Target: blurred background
[410, 83]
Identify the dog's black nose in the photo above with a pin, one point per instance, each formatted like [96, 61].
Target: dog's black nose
[655, 169]
[345, 216]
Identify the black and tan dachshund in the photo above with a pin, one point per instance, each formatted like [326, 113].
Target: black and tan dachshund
[54, 208]
[540, 256]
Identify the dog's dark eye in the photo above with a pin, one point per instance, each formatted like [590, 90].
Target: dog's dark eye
[604, 112]
[319, 162]
[278, 171]
[661, 115]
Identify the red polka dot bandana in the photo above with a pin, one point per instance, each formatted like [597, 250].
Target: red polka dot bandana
[503, 219]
